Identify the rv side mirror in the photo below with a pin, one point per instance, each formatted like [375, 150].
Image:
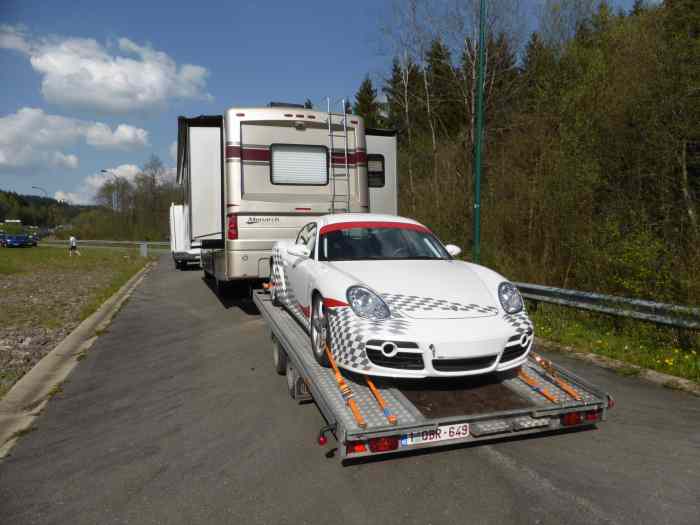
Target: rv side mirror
[453, 250]
[299, 250]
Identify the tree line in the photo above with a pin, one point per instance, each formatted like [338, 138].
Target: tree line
[123, 209]
[136, 209]
[591, 173]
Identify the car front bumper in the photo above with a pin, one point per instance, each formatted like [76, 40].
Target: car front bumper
[419, 348]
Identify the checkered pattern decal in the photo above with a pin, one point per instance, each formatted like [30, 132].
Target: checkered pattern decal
[283, 291]
[349, 333]
[520, 321]
[413, 303]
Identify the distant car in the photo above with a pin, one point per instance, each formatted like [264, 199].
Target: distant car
[34, 239]
[387, 298]
[17, 241]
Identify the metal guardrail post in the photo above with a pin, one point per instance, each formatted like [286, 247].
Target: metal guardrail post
[144, 249]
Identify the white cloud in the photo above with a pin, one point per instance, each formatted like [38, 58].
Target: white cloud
[31, 139]
[72, 198]
[82, 73]
[173, 151]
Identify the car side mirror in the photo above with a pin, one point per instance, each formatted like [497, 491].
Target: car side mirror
[299, 250]
[453, 250]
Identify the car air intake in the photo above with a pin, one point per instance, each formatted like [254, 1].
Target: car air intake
[464, 365]
[376, 352]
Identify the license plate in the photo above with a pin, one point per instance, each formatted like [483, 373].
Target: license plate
[441, 433]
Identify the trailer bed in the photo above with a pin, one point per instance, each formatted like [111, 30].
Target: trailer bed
[430, 412]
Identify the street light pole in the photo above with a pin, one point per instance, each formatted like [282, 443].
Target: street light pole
[46, 193]
[115, 194]
[478, 133]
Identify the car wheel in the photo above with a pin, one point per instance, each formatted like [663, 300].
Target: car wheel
[320, 331]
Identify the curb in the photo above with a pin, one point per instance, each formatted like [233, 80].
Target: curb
[659, 378]
[28, 397]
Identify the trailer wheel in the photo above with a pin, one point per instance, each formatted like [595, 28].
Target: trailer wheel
[279, 357]
[320, 331]
[291, 380]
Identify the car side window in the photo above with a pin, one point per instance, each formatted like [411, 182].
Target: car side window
[311, 242]
[306, 235]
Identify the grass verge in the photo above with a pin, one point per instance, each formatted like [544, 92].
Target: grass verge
[668, 350]
[45, 294]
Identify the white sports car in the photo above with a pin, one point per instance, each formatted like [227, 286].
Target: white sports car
[390, 300]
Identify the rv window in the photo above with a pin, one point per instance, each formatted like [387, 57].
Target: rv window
[299, 164]
[375, 171]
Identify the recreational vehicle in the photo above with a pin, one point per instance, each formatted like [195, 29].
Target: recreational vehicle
[254, 176]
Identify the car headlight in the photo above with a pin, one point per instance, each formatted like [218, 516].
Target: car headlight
[366, 303]
[510, 298]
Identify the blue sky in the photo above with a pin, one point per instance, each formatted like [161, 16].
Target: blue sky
[89, 85]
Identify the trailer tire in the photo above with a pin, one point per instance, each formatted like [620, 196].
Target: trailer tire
[291, 380]
[319, 334]
[279, 357]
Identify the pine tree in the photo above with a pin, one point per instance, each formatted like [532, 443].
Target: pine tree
[366, 104]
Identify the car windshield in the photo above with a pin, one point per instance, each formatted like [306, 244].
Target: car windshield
[379, 243]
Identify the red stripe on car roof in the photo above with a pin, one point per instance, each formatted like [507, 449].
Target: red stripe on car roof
[373, 224]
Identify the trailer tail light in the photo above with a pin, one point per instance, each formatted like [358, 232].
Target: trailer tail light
[592, 416]
[572, 418]
[611, 402]
[384, 444]
[355, 447]
[232, 231]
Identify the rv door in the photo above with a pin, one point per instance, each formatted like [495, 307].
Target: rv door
[382, 171]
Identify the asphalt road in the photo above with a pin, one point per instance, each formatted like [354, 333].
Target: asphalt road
[176, 416]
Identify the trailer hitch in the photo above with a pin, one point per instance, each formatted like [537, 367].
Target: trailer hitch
[322, 439]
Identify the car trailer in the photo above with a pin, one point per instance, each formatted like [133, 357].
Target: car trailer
[540, 397]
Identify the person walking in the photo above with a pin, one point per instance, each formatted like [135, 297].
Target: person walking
[73, 246]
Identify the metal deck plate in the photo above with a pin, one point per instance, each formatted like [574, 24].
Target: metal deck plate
[564, 400]
[325, 379]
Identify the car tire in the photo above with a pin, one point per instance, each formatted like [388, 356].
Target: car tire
[319, 330]
[279, 357]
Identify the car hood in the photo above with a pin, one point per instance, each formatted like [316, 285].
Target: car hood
[424, 289]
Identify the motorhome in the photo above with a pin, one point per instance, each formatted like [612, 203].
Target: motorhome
[254, 176]
[184, 252]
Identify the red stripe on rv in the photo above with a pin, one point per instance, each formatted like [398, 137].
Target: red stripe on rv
[373, 224]
[235, 152]
[333, 303]
[305, 309]
[359, 157]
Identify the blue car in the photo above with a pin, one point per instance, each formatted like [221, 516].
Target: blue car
[17, 241]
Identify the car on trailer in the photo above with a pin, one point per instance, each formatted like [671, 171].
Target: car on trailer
[389, 299]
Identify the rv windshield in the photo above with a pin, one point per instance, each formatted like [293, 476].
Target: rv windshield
[381, 243]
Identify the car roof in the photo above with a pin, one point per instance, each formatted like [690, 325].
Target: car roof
[363, 217]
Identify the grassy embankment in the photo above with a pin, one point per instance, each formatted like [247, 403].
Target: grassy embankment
[666, 350]
[45, 294]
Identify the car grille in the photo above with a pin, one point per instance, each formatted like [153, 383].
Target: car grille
[464, 365]
[402, 360]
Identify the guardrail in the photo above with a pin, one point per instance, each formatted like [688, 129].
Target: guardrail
[659, 313]
[143, 246]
